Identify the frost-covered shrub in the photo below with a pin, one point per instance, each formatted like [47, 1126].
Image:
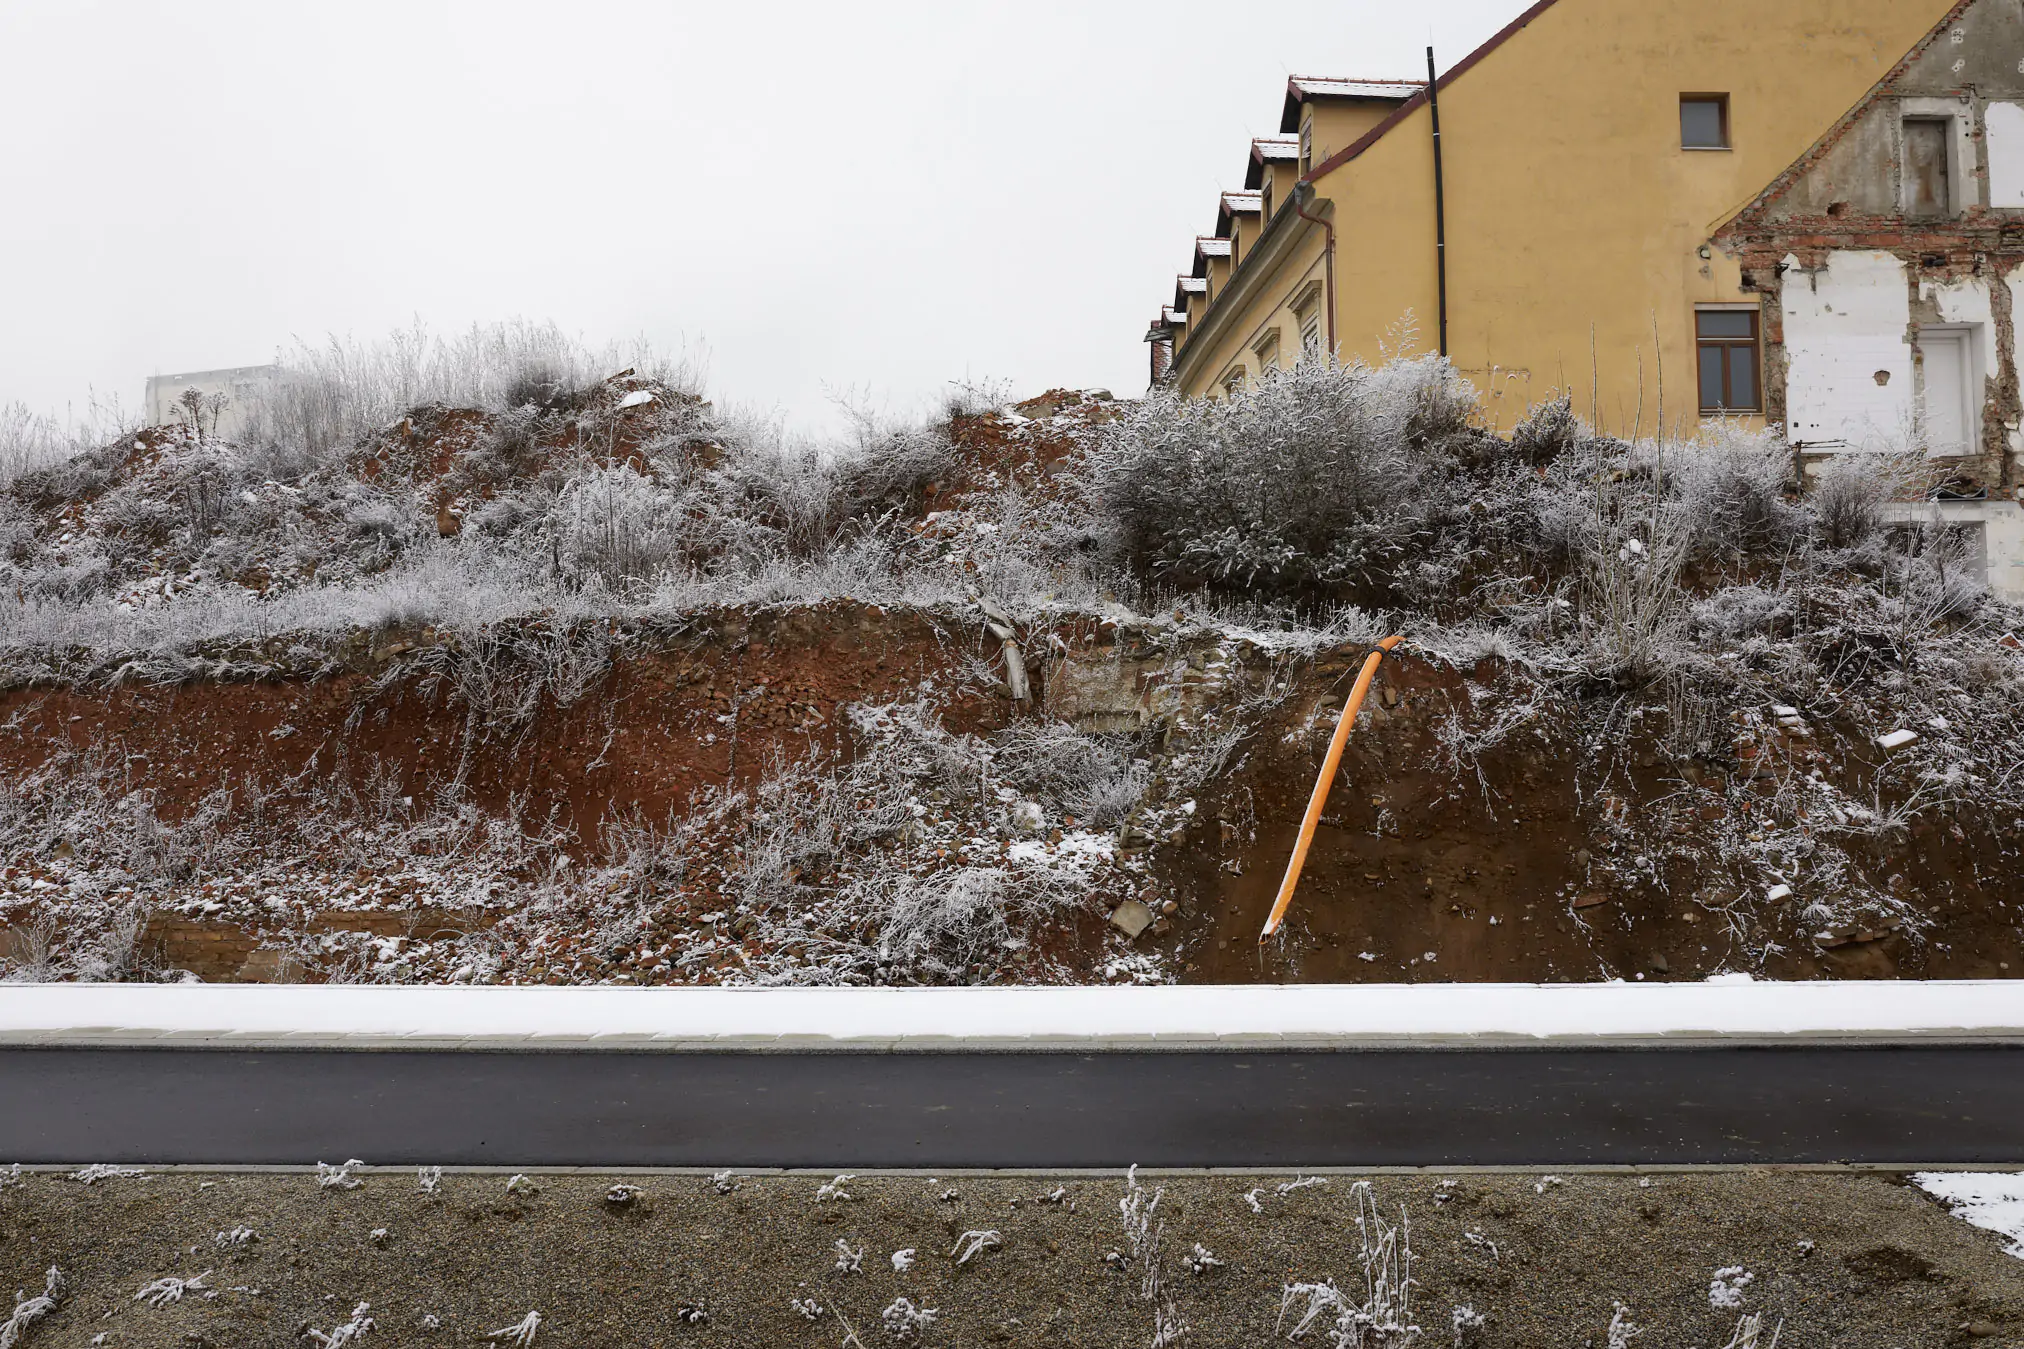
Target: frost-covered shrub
[1734, 613]
[618, 527]
[377, 531]
[1732, 489]
[1939, 581]
[1095, 779]
[29, 1310]
[1322, 475]
[1549, 430]
[1631, 600]
[29, 441]
[1848, 494]
[890, 473]
[327, 398]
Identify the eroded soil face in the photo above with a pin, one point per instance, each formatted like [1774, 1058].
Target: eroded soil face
[1852, 1260]
[1533, 861]
[1481, 828]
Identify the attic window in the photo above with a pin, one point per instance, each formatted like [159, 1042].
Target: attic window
[1704, 121]
[1307, 145]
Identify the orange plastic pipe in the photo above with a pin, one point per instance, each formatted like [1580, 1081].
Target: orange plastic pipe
[1322, 783]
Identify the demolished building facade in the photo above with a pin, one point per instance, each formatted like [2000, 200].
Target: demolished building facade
[1819, 230]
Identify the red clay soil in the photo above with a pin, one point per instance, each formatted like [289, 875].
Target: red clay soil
[1418, 873]
[657, 729]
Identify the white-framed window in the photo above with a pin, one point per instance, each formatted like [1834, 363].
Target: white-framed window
[1266, 349]
[1307, 315]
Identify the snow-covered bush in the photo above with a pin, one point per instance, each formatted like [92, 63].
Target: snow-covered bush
[1735, 491]
[1630, 590]
[1094, 779]
[1320, 476]
[326, 398]
[1848, 494]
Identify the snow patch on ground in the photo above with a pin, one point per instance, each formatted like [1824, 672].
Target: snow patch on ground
[1988, 1199]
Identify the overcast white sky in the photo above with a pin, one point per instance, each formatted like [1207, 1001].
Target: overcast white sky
[884, 196]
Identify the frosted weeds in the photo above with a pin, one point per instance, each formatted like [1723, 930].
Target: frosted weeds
[971, 1244]
[349, 1332]
[98, 1171]
[521, 1333]
[1749, 1332]
[905, 1321]
[29, 1310]
[342, 1177]
[1256, 1197]
[1143, 1230]
[162, 1292]
[1381, 1316]
[1725, 1289]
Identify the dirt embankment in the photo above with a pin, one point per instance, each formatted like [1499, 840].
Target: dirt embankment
[1851, 1260]
[1479, 830]
[658, 717]
[1558, 851]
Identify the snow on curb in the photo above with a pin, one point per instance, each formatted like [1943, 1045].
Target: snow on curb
[1990, 1199]
[1729, 1007]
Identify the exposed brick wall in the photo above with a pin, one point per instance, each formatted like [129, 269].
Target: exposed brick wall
[219, 952]
[214, 952]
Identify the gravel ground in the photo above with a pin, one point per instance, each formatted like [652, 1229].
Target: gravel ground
[1844, 1258]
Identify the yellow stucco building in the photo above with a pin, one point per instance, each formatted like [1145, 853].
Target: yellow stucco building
[1591, 155]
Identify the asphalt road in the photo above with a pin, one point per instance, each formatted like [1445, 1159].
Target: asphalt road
[1541, 1107]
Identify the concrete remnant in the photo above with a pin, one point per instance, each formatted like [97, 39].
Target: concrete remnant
[271, 966]
[1131, 918]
